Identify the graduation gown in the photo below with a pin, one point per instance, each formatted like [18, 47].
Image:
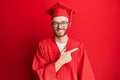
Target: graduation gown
[48, 53]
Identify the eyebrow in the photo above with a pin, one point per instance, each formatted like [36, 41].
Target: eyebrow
[61, 21]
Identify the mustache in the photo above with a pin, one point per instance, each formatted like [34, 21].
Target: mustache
[60, 29]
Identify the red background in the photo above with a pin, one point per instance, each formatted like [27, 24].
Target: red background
[23, 23]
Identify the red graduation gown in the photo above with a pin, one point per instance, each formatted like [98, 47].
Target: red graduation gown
[48, 53]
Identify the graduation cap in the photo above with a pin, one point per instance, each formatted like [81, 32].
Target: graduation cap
[60, 9]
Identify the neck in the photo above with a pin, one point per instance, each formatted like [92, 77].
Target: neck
[62, 39]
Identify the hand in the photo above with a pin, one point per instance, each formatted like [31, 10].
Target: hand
[65, 56]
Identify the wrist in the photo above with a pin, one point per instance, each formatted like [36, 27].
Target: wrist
[58, 65]
[59, 62]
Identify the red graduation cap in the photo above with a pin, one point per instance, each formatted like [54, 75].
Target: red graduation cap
[60, 9]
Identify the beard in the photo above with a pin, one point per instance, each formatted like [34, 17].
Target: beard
[60, 32]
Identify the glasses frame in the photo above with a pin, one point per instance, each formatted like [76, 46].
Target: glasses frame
[63, 23]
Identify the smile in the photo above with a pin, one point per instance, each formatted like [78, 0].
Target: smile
[60, 30]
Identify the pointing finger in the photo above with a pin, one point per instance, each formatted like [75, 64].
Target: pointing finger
[73, 50]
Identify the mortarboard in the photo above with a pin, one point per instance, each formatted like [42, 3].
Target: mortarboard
[60, 9]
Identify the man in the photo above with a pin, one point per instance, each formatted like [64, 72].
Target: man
[61, 57]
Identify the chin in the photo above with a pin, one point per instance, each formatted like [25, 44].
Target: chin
[58, 35]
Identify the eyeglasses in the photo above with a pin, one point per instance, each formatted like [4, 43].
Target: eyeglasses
[63, 24]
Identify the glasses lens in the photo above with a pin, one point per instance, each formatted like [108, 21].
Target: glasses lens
[63, 23]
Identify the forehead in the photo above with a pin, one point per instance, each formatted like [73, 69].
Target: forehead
[60, 18]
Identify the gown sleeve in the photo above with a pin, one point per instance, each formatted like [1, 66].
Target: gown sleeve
[44, 69]
[84, 68]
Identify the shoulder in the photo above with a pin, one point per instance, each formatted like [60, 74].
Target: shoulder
[46, 41]
[76, 42]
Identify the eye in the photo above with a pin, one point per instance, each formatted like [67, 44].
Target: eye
[54, 23]
[64, 22]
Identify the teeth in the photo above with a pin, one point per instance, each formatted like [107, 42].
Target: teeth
[60, 30]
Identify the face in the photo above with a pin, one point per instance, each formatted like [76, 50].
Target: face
[60, 25]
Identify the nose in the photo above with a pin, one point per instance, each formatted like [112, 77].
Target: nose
[59, 26]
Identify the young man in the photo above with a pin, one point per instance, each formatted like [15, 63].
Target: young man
[61, 57]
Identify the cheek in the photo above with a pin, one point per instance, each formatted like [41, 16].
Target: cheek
[53, 29]
[66, 28]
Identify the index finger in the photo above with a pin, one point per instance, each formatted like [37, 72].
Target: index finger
[73, 50]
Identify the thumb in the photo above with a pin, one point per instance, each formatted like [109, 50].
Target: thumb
[63, 50]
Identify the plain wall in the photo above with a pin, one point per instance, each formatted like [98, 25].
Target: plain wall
[23, 23]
